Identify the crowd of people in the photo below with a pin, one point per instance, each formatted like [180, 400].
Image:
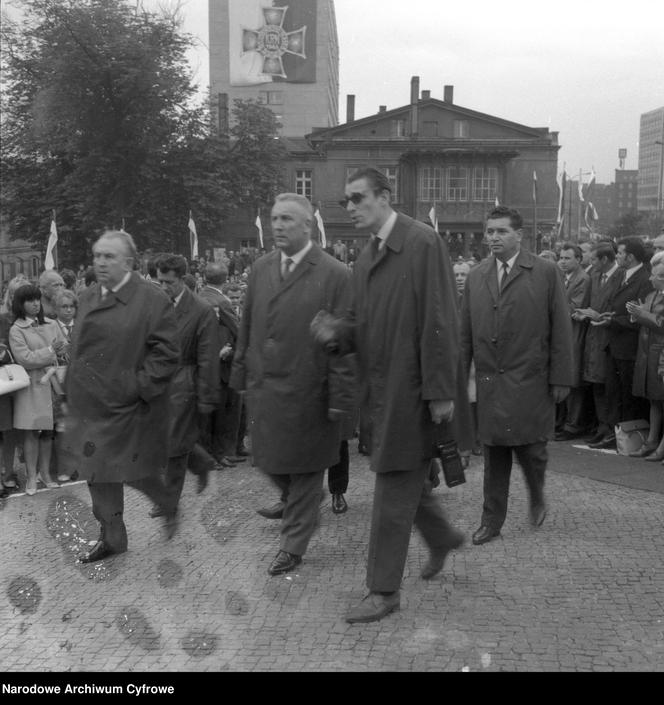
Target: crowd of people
[137, 377]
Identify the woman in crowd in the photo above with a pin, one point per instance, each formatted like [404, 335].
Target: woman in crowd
[10, 437]
[647, 381]
[35, 343]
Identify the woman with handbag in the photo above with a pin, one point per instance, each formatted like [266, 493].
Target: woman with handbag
[10, 437]
[35, 343]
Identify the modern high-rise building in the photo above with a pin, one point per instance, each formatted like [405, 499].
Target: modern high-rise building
[651, 161]
[284, 54]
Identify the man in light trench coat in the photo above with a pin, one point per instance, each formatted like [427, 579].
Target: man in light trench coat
[515, 325]
[124, 354]
[296, 394]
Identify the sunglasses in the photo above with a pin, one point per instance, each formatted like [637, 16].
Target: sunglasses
[354, 198]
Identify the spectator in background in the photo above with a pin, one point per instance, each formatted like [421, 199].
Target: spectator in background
[190, 282]
[36, 343]
[461, 270]
[51, 284]
[69, 278]
[647, 381]
[586, 255]
[549, 254]
[10, 436]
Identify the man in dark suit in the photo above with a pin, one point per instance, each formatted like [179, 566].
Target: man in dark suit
[577, 291]
[623, 338]
[404, 326]
[516, 328]
[194, 390]
[296, 394]
[225, 419]
[124, 354]
[604, 280]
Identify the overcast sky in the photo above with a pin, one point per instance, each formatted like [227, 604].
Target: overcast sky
[584, 68]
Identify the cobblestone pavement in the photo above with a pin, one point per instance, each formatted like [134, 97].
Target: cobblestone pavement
[583, 593]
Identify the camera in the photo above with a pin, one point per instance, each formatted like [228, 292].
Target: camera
[446, 450]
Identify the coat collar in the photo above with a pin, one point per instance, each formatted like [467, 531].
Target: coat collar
[489, 268]
[23, 323]
[311, 259]
[123, 296]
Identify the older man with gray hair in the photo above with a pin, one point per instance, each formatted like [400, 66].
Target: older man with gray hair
[124, 354]
[50, 285]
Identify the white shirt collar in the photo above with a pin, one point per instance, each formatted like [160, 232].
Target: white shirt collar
[386, 229]
[298, 256]
[611, 271]
[178, 298]
[510, 265]
[119, 286]
[632, 270]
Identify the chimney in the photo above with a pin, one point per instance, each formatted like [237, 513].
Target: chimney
[449, 94]
[426, 95]
[414, 110]
[414, 90]
[382, 108]
[350, 108]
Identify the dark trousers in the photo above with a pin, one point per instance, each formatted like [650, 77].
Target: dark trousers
[622, 404]
[224, 423]
[302, 495]
[497, 470]
[337, 475]
[574, 410]
[602, 409]
[402, 499]
[108, 505]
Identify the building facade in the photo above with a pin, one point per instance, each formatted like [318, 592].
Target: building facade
[651, 162]
[282, 54]
[625, 193]
[437, 155]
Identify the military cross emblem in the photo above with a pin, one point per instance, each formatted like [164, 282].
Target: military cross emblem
[272, 41]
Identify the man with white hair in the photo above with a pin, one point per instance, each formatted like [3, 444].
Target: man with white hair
[50, 285]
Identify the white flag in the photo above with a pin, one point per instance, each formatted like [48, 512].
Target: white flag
[497, 202]
[433, 217]
[49, 262]
[259, 225]
[193, 238]
[321, 228]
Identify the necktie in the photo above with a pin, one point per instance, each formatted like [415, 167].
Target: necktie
[375, 246]
[567, 280]
[286, 267]
[506, 271]
[602, 280]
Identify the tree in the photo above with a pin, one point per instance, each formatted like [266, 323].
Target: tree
[637, 224]
[100, 122]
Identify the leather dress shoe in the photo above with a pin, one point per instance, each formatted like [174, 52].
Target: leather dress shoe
[566, 435]
[362, 449]
[243, 452]
[606, 442]
[595, 438]
[201, 482]
[99, 551]
[484, 534]
[284, 563]
[374, 607]
[655, 457]
[538, 514]
[276, 511]
[437, 558]
[236, 458]
[339, 505]
[226, 462]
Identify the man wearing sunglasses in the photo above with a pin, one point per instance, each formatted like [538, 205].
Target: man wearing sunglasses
[404, 327]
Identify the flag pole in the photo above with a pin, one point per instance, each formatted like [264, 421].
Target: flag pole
[537, 243]
[578, 220]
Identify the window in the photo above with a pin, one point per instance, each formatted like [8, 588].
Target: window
[271, 97]
[430, 128]
[398, 128]
[431, 184]
[457, 183]
[392, 173]
[303, 182]
[485, 183]
[461, 128]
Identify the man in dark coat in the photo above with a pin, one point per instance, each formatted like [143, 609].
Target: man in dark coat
[577, 291]
[124, 354]
[225, 419]
[516, 327]
[604, 279]
[404, 326]
[623, 338]
[194, 390]
[296, 394]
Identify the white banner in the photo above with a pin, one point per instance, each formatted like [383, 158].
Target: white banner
[246, 66]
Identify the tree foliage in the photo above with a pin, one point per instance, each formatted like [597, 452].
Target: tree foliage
[100, 121]
[637, 225]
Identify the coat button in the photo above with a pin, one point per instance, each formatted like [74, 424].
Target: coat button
[494, 341]
[502, 372]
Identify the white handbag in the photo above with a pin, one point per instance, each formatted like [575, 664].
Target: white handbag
[12, 378]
